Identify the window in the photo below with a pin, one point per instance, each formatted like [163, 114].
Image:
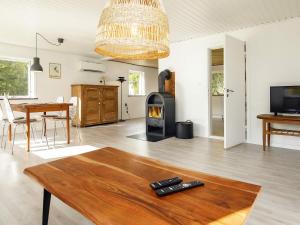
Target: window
[136, 83]
[15, 78]
[217, 83]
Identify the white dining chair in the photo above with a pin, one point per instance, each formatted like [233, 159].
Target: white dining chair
[4, 122]
[73, 114]
[15, 122]
[59, 99]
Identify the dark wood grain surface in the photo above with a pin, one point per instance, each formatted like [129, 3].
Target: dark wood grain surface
[278, 118]
[111, 187]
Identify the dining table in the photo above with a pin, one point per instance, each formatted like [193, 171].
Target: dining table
[44, 108]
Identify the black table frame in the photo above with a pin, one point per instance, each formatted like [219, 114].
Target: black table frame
[46, 206]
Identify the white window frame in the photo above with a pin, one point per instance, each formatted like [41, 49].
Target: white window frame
[31, 78]
[142, 86]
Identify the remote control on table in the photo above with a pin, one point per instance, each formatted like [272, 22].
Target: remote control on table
[177, 188]
[165, 183]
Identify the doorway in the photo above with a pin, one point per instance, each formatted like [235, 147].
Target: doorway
[217, 93]
[226, 84]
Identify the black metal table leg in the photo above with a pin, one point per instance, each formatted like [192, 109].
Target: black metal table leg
[46, 206]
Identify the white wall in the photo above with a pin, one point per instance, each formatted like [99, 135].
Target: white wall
[273, 52]
[48, 89]
[190, 61]
[136, 104]
[273, 58]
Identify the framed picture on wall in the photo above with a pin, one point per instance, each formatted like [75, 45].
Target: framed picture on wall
[54, 70]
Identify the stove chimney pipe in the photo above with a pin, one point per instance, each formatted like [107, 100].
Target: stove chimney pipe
[164, 75]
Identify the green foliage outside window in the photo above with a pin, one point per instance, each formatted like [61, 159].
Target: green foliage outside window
[136, 83]
[134, 78]
[217, 84]
[13, 78]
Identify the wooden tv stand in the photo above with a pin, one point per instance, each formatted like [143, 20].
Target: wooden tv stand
[267, 130]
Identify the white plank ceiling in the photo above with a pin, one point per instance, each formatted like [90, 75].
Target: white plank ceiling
[76, 20]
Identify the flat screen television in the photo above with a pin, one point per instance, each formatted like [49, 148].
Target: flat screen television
[285, 99]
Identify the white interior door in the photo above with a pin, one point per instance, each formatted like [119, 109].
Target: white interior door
[234, 92]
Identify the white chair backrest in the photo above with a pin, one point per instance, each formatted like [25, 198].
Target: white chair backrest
[1, 113]
[60, 99]
[73, 108]
[9, 112]
[74, 101]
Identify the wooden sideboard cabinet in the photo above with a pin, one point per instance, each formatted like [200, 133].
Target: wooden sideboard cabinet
[98, 104]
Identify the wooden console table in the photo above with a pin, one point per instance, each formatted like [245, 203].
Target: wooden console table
[267, 130]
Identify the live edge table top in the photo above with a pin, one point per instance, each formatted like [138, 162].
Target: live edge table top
[111, 187]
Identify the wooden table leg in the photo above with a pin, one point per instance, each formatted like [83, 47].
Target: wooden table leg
[268, 134]
[28, 129]
[45, 125]
[68, 124]
[264, 124]
[46, 206]
[9, 132]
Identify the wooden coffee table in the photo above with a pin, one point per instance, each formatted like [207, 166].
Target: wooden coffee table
[109, 186]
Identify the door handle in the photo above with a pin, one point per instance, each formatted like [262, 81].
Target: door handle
[229, 90]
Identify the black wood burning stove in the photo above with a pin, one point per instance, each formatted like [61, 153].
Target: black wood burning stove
[160, 111]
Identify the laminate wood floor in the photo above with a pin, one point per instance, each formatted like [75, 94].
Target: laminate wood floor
[217, 127]
[276, 170]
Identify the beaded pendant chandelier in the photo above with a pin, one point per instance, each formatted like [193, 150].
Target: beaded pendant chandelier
[133, 29]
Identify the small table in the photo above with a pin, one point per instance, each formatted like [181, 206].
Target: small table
[267, 130]
[109, 186]
[40, 107]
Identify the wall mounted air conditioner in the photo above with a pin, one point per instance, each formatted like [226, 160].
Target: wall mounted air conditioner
[92, 67]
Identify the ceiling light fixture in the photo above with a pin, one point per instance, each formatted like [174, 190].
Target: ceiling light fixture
[36, 66]
[133, 29]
